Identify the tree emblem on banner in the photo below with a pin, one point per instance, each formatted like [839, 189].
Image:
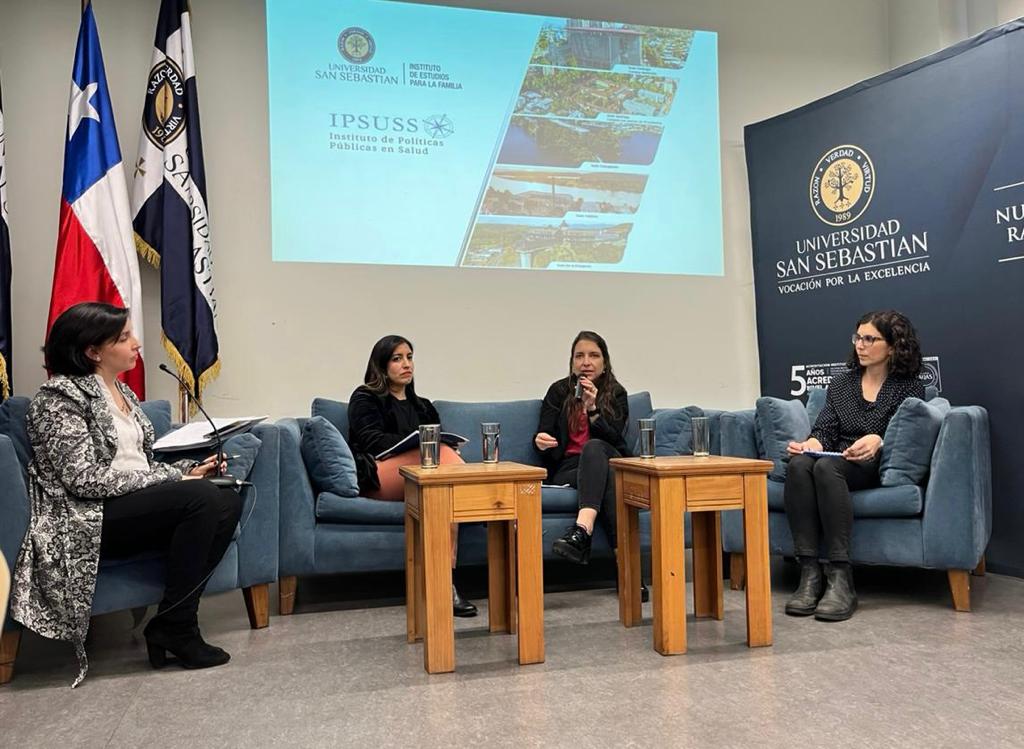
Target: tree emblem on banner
[842, 184]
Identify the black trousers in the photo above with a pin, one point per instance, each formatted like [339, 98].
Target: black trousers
[817, 498]
[192, 521]
[589, 473]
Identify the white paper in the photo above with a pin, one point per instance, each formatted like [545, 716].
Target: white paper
[200, 434]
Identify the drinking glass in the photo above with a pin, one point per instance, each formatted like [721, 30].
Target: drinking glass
[490, 435]
[430, 445]
[646, 437]
[701, 439]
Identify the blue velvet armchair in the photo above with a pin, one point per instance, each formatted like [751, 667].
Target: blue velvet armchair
[942, 521]
[324, 533]
[250, 563]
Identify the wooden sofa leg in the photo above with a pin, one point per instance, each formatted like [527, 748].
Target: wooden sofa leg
[8, 652]
[286, 594]
[257, 604]
[737, 571]
[980, 569]
[960, 587]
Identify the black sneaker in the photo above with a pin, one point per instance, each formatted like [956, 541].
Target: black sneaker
[573, 545]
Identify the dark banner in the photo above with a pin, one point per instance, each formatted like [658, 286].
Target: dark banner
[906, 192]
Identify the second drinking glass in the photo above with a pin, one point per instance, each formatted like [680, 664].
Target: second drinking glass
[490, 435]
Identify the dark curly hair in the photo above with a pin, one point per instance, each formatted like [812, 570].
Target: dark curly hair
[899, 333]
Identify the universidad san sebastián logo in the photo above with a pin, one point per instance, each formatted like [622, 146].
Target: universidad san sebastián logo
[842, 184]
[356, 45]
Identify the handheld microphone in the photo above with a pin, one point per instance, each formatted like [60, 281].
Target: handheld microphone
[218, 479]
[578, 392]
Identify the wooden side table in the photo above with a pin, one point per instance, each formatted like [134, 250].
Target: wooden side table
[507, 497]
[670, 487]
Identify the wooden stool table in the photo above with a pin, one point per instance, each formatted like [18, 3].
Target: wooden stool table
[704, 486]
[507, 497]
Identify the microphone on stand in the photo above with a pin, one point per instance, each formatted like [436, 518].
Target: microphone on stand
[223, 480]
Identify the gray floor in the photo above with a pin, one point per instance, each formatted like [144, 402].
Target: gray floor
[905, 671]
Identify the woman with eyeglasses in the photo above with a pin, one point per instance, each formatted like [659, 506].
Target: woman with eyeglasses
[883, 372]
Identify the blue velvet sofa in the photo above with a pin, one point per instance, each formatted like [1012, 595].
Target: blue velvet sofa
[324, 533]
[937, 515]
[250, 562]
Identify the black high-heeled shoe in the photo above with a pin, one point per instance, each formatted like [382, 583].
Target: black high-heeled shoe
[184, 644]
[461, 606]
[197, 633]
[645, 592]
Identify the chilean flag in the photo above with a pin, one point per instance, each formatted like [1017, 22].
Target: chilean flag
[96, 256]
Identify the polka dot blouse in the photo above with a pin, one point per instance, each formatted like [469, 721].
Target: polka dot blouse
[847, 417]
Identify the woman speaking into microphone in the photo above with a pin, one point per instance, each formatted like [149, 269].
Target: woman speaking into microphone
[582, 421]
[96, 492]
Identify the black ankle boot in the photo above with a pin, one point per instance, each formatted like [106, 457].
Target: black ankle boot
[810, 589]
[574, 544]
[840, 599]
[184, 643]
[460, 606]
[197, 633]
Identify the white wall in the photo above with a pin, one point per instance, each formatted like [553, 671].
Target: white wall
[920, 27]
[292, 331]
[1009, 10]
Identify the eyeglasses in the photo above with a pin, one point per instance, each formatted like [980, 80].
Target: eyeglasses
[867, 340]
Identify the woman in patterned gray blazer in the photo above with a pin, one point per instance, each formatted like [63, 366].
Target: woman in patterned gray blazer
[96, 492]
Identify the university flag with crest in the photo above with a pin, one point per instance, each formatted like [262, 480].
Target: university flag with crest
[5, 270]
[171, 222]
[96, 258]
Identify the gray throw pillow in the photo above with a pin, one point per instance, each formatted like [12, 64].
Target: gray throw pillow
[779, 422]
[910, 440]
[328, 458]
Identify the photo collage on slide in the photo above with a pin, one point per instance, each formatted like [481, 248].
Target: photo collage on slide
[571, 170]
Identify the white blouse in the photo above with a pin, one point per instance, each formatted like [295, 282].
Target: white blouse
[129, 455]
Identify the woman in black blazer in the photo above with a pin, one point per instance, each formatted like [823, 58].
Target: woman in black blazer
[582, 422]
[382, 412]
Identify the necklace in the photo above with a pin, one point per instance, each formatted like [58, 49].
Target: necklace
[121, 402]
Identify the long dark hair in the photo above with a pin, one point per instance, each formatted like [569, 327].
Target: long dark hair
[606, 383]
[376, 377]
[78, 328]
[898, 332]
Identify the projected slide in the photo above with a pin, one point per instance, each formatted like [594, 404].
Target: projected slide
[408, 134]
